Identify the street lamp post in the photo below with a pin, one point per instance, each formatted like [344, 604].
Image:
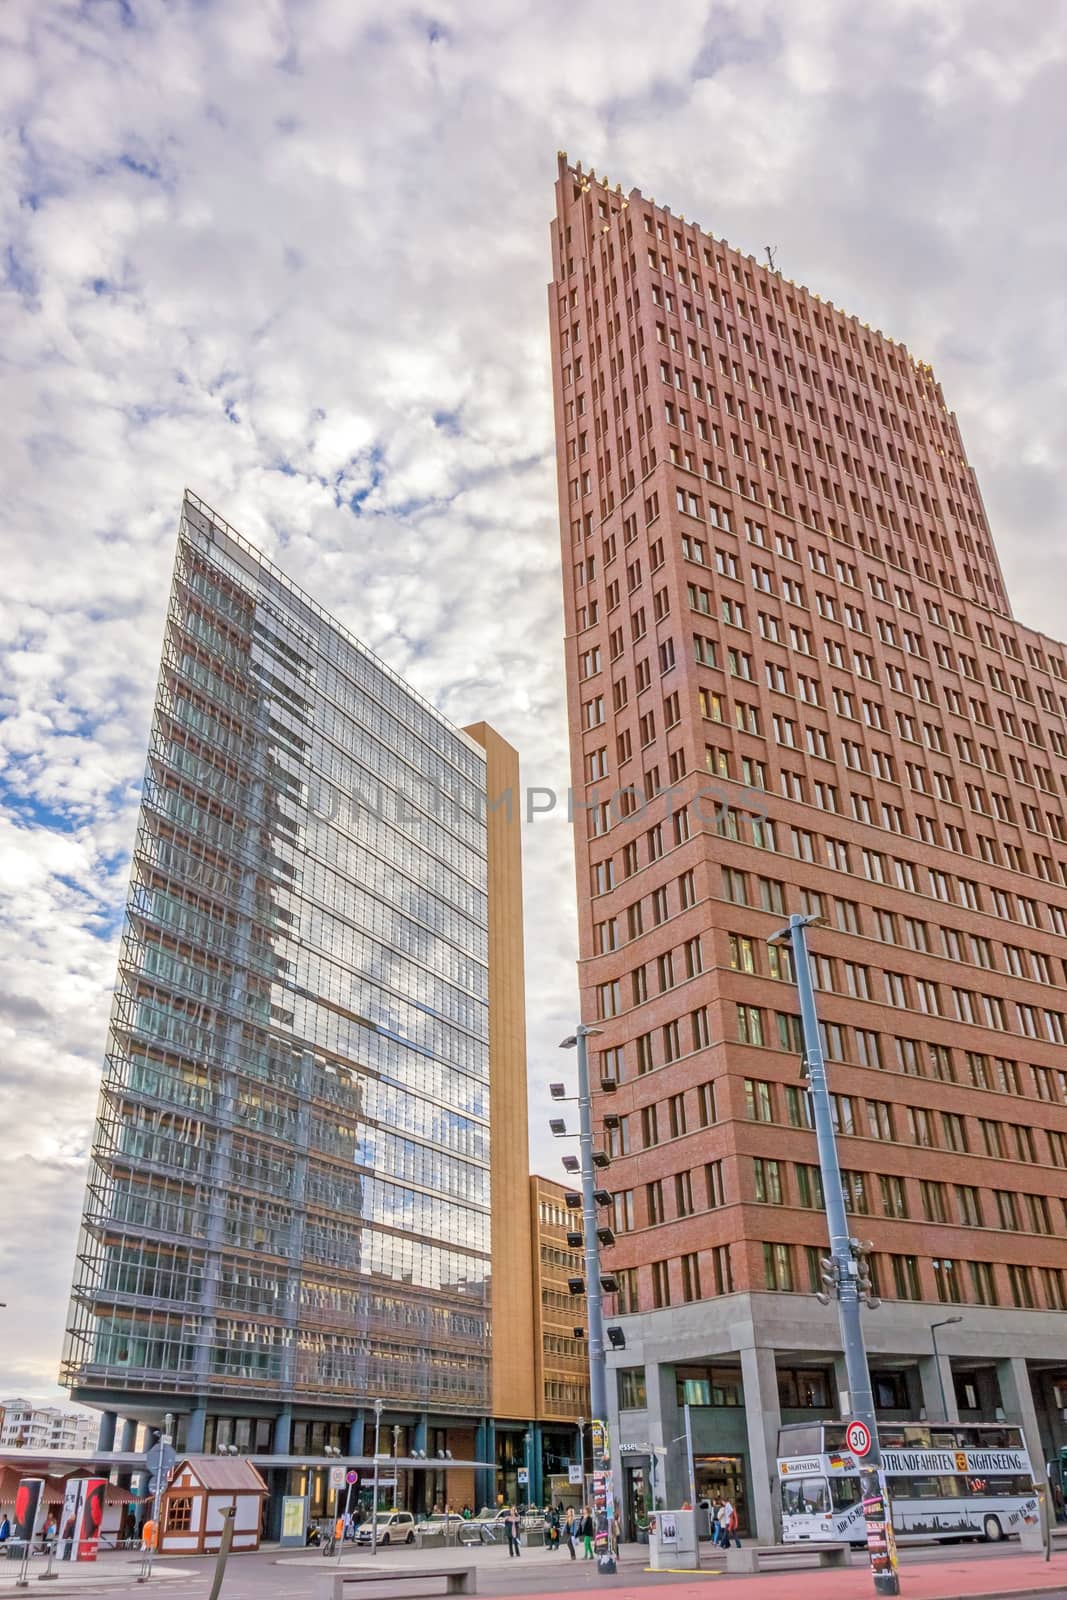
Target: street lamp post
[374, 1508]
[946, 1322]
[594, 1298]
[843, 1274]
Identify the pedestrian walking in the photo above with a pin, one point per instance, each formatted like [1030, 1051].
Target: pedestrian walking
[588, 1529]
[727, 1523]
[511, 1523]
[5, 1529]
[716, 1530]
[553, 1528]
[570, 1531]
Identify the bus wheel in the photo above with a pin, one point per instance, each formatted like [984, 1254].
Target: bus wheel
[993, 1531]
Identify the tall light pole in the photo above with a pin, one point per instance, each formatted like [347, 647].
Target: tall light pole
[594, 1297]
[843, 1277]
[946, 1322]
[374, 1509]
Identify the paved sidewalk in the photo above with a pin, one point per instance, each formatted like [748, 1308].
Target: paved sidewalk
[102, 1576]
[968, 1578]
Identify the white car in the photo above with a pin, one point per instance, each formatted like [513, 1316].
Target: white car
[394, 1527]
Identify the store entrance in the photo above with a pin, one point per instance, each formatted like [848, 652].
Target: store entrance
[723, 1477]
[635, 1500]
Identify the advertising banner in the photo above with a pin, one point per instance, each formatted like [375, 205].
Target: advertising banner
[68, 1521]
[27, 1504]
[92, 1517]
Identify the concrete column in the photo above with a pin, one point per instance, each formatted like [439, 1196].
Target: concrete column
[489, 1481]
[537, 1465]
[481, 1475]
[105, 1438]
[1017, 1397]
[931, 1368]
[355, 1434]
[762, 1420]
[422, 1431]
[281, 1442]
[194, 1433]
[125, 1441]
[664, 1426]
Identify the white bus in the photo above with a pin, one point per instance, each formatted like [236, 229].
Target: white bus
[944, 1481]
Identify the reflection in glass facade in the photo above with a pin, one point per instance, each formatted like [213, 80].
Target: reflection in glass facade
[288, 1197]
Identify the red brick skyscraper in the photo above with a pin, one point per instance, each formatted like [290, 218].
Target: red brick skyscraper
[795, 683]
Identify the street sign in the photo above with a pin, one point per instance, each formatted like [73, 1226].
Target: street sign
[161, 1459]
[351, 1476]
[523, 1476]
[338, 1478]
[858, 1438]
[574, 1472]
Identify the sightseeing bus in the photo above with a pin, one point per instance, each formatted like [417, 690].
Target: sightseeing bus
[944, 1481]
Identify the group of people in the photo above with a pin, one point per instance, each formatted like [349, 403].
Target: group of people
[572, 1527]
[723, 1522]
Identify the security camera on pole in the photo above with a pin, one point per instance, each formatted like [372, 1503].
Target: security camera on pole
[846, 1277]
[603, 1494]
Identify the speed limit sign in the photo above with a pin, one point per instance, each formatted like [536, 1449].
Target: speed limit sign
[858, 1438]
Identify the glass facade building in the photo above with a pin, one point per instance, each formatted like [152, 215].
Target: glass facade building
[289, 1196]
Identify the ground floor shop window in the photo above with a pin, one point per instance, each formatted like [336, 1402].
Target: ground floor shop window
[723, 1478]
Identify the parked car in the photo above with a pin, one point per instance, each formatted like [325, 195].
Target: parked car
[394, 1527]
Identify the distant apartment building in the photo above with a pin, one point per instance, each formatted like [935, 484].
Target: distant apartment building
[795, 684]
[308, 1187]
[560, 1350]
[25, 1425]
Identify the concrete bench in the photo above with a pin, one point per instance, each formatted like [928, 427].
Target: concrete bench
[750, 1557]
[453, 1580]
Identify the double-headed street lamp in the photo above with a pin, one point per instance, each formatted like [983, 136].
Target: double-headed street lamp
[374, 1512]
[595, 1283]
[947, 1322]
[846, 1277]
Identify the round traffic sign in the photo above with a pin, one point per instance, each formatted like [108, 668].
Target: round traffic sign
[351, 1476]
[858, 1438]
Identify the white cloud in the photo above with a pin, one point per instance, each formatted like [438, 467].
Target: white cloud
[243, 237]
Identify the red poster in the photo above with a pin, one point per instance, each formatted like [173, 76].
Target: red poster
[27, 1504]
[92, 1517]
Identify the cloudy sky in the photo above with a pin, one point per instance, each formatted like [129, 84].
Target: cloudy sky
[293, 253]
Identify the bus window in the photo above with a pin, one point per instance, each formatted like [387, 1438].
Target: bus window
[833, 1434]
[799, 1439]
[948, 1439]
[903, 1436]
[1000, 1488]
[844, 1492]
[805, 1497]
[986, 1437]
[945, 1486]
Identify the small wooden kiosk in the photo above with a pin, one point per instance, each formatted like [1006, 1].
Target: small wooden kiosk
[201, 1490]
